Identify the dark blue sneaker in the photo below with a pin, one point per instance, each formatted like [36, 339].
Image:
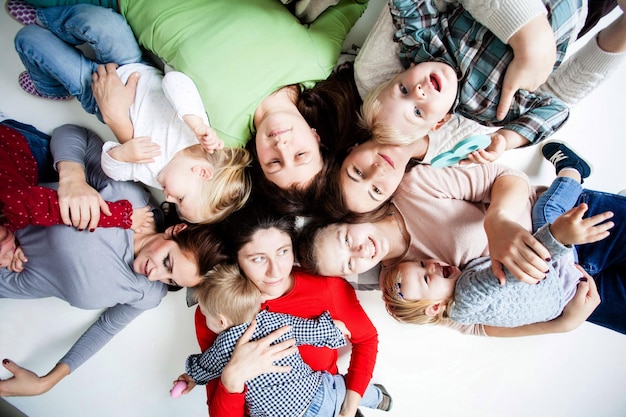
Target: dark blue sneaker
[562, 156]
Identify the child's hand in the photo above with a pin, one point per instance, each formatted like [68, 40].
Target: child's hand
[190, 383]
[490, 153]
[207, 136]
[342, 326]
[143, 220]
[571, 229]
[18, 261]
[140, 150]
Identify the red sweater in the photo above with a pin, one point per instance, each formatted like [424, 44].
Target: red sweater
[23, 202]
[310, 297]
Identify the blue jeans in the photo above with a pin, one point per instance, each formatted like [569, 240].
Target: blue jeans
[332, 392]
[52, 60]
[49, 3]
[605, 260]
[561, 196]
[39, 144]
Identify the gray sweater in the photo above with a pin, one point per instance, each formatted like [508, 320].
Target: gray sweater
[479, 298]
[89, 270]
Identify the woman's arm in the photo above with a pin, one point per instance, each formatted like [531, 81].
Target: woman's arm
[27, 383]
[74, 150]
[114, 99]
[510, 245]
[110, 322]
[364, 340]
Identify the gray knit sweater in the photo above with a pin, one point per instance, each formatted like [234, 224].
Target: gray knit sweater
[479, 298]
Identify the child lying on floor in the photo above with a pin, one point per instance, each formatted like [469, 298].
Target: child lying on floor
[165, 138]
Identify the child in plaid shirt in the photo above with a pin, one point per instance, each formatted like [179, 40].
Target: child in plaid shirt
[457, 65]
[230, 302]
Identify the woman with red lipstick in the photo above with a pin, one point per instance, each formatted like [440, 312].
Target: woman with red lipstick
[261, 243]
[113, 269]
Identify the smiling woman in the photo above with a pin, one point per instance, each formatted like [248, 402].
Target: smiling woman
[287, 148]
[114, 269]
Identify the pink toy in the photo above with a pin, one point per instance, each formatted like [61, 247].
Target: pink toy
[178, 389]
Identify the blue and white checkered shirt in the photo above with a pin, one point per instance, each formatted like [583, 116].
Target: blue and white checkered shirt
[272, 394]
[481, 60]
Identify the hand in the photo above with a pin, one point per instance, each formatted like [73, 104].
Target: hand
[79, 203]
[139, 150]
[114, 99]
[585, 301]
[571, 229]
[342, 326]
[18, 261]
[253, 358]
[8, 245]
[190, 383]
[143, 220]
[207, 136]
[492, 152]
[534, 56]
[23, 382]
[512, 246]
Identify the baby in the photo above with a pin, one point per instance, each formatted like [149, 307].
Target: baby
[230, 302]
[165, 140]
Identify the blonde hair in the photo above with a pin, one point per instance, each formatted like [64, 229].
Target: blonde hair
[382, 133]
[409, 311]
[230, 187]
[227, 292]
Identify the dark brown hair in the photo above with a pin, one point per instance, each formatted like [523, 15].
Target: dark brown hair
[204, 243]
[239, 228]
[331, 107]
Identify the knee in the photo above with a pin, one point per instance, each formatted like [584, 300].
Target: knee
[29, 36]
[101, 20]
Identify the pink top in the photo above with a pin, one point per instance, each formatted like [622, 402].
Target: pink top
[444, 210]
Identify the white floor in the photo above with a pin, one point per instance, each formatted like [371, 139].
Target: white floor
[429, 371]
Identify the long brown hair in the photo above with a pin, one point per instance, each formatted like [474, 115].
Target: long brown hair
[331, 108]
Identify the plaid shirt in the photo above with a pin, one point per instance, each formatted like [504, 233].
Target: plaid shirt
[272, 394]
[481, 60]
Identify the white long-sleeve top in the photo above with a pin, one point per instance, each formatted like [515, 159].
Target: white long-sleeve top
[160, 103]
